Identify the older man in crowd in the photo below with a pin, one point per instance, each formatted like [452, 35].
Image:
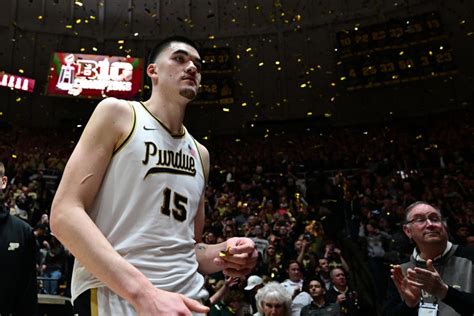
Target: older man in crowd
[438, 279]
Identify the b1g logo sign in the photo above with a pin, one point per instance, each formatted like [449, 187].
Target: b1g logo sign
[95, 76]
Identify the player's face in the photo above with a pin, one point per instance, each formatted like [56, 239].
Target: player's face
[178, 67]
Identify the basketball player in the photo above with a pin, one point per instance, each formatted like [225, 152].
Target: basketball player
[130, 205]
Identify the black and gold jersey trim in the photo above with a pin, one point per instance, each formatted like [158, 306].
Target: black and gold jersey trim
[130, 133]
[180, 135]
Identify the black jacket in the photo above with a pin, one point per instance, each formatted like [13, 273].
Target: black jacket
[18, 293]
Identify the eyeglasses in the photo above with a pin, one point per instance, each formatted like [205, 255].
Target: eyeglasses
[434, 219]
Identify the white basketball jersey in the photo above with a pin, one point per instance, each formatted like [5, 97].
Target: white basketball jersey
[147, 204]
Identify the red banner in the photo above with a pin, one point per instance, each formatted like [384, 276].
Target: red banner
[17, 82]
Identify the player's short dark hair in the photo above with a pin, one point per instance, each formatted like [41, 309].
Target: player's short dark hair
[156, 51]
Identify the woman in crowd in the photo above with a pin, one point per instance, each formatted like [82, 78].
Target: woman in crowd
[273, 300]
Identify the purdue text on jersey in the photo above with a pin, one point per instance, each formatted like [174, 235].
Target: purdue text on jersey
[168, 161]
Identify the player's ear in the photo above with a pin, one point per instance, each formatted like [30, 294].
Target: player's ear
[152, 70]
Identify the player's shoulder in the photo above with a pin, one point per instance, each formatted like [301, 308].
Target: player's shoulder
[200, 146]
[114, 105]
[115, 111]
[113, 116]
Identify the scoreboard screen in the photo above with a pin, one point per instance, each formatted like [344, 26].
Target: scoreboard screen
[408, 49]
[217, 84]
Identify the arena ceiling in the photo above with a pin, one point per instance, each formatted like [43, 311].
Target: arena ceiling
[284, 53]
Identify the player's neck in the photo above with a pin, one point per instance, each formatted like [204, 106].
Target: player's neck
[169, 112]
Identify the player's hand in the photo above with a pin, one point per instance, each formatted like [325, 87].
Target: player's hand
[240, 257]
[409, 292]
[159, 302]
[428, 280]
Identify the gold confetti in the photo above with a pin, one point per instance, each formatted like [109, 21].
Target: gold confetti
[92, 17]
[244, 104]
[14, 156]
[401, 53]
[211, 37]
[69, 26]
[120, 41]
[78, 3]
[225, 109]
[18, 99]
[309, 114]
[327, 114]
[303, 85]
[40, 17]
[277, 62]
[82, 49]
[94, 49]
[225, 253]
[343, 78]
[248, 49]
[78, 21]
[21, 71]
[260, 64]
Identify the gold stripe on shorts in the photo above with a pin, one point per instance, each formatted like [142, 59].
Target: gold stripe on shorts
[94, 307]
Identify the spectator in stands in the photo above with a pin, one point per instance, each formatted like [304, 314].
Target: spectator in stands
[342, 294]
[18, 294]
[322, 271]
[254, 283]
[439, 276]
[318, 307]
[374, 239]
[273, 300]
[294, 286]
[334, 256]
[53, 267]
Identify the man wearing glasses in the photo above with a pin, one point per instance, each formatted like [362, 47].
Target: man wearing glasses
[439, 279]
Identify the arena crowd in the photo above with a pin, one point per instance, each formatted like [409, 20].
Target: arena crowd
[328, 203]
